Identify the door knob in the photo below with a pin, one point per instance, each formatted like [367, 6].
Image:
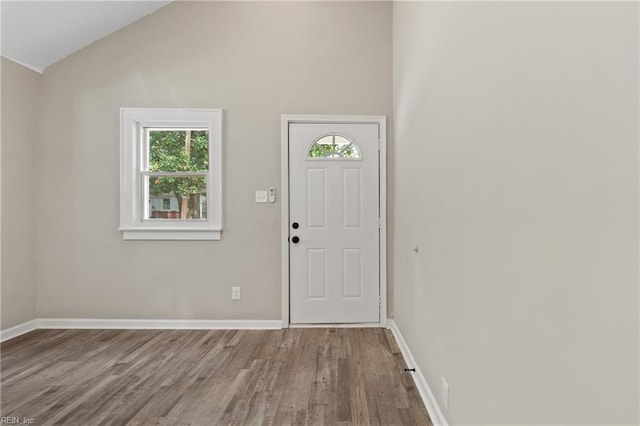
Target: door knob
[295, 240]
[295, 225]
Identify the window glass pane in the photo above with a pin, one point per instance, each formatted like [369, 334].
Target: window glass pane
[178, 150]
[177, 197]
[350, 151]
[334, 146]
[341, 141]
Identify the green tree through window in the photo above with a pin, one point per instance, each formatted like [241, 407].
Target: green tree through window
[334, 146]
[176, 152]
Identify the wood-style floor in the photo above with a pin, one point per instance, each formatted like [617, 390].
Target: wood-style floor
[336, 376]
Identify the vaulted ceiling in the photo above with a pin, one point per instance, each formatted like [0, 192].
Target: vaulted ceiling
[37, 34]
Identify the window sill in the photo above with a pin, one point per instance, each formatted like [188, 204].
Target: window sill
[194, 234]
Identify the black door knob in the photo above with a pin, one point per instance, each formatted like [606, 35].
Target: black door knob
[295, 225]
[295, 240]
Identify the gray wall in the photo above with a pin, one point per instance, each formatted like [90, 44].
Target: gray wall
[514, 167]
[516, 137]
[254, 60]
[20, 95]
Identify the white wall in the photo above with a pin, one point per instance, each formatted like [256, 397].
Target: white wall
[20, 92]
[254, 60]
[516, 137]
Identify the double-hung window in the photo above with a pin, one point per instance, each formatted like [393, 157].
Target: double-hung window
[171, 172]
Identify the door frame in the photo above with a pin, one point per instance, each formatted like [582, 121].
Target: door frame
[381, 121]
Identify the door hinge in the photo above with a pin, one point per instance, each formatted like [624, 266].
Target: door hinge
[379, 223]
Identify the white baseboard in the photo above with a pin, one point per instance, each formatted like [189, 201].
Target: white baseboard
[137, 324]
[143, 324]
[18, 330]
[338, 325]
[437, 418]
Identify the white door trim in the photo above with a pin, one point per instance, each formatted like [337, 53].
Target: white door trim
[381, 121]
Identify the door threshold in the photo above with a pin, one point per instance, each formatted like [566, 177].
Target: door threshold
[338, 325]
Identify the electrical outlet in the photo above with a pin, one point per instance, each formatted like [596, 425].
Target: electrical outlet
[445, 394]
[235, 293]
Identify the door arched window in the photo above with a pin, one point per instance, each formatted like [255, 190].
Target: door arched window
[334, 146]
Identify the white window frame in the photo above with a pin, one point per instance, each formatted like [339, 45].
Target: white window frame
[133, 155]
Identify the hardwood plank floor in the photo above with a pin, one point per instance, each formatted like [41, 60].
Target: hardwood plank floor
[330, 376]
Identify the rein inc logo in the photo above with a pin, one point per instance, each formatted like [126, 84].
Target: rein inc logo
[17, 421]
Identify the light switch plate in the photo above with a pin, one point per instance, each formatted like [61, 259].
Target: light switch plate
[261, 196]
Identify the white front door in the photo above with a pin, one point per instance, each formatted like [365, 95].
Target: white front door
[334, 253]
